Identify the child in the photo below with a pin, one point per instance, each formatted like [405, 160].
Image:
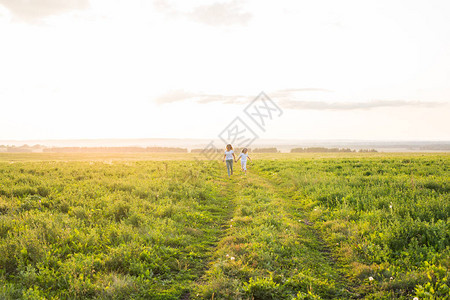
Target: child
[229, 157]
[243, 157]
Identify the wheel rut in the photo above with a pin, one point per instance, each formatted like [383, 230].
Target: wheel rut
[298, 212]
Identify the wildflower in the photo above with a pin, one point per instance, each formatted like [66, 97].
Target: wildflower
[390, 206]
[227, 255]
[392, 278]
[416, 298]
[231, 220]
[232, 258]
[231, 225]
[370, 278]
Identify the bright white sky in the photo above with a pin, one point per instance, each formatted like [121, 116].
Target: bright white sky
[171, 69]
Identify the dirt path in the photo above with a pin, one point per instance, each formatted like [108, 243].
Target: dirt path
[267, 248]
[226, 192]
[296, 211]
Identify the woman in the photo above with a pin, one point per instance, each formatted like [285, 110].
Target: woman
[229, 157]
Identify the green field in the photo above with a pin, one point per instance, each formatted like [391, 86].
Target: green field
[159, 226]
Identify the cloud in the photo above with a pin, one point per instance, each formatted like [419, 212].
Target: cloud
[285, 98]
[174, 96]
[215, 14]
[322, 105]
[181, 95]
[226, 99]
[33, 10]
[304, 90]
[166, 8]
[287, 93]
[221, 14]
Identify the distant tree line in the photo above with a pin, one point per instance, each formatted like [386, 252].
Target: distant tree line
[326, 150]
[367, 150]
[207, 150]
[237, 150]
[265, 150]
[219, 150]
[22, 149]
[18, 150]
[319, 149]
[38, 148]
[116, 149]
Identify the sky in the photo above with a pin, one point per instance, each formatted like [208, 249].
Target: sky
[368, 70]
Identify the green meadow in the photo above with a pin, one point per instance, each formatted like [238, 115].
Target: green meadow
[174, 226]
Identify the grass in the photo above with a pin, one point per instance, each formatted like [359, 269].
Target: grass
[385, 219]
[157, 226]
[83, 229]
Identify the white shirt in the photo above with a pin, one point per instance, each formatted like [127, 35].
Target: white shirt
[229, 154]
[243, 157]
